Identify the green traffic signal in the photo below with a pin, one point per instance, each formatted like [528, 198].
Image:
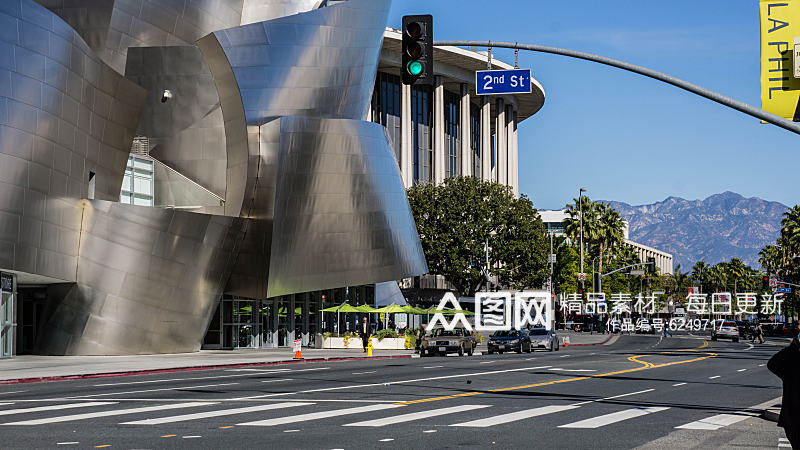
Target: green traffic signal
[414, 68]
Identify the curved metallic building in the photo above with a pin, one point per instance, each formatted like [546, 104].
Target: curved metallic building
[264, 115]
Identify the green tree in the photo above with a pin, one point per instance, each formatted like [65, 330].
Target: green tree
[700, 273]
[454, 220]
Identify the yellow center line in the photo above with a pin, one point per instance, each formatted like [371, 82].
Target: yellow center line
[645, 366]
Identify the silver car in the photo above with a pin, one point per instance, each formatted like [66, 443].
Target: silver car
[543, 338]
[726, 329]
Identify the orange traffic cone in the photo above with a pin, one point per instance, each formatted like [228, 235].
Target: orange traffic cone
[298, 354]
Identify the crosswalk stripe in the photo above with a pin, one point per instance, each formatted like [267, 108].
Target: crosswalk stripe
[716, 422]
[8, 412]
[116, 412]
[415, 416]
[608, 419]
[514, 416]
[218, 413]
[319, 415]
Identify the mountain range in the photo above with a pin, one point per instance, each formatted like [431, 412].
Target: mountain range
[721, 227]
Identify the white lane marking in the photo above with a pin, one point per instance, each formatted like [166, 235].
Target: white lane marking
[415, 416]
[276, 380]
[619, 416]
[116, 412]
[783, 439]
[785, 445]
[613, 397]
[184, 379]
[430, 431]
[564, 356]
[761, 365]
[741, 370]
[714, 377]
[716, 422]
[177, 388]
[678, 384]
[11, 392]
[573, 370]
[218, 413]
[416, 380]
[363, 373]
[749, 347]
[514, 416]
[318, 415]
[386, 440]
[5, 404]
[290, 431]
[192, 437]
[7, 412]
[68, 443]
[432, 367]
[486, 362]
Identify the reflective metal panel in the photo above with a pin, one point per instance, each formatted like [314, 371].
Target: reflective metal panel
[110, 27]
[66, 125]
[341, 213]
[148, 281]
[260, 10]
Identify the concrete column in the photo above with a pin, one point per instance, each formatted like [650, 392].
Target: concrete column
[515, 151]
[439, 150]
[466, 151]
[406, 158]
[486, 139]
[501, 163]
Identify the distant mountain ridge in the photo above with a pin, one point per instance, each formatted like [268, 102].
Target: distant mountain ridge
[721, 227]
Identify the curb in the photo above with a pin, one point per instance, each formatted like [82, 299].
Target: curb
[196, 368]
[771, 414]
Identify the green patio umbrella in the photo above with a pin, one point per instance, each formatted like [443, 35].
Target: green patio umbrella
[366, 309]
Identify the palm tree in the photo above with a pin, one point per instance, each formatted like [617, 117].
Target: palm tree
[682, 281]
[771, 258]
[790, 231]
[609, 230]
[572, 223]
[700, 273]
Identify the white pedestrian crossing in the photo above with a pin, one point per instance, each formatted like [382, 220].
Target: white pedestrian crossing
[515, 416]
[9, 412]
[217, 413]
[716, 422]
[319, 415]
[114, 412]
[415, 416]
[608, 419]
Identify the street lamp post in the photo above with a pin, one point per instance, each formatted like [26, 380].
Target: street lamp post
[580, 209]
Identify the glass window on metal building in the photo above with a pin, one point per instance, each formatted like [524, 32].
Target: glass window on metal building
[422, 133]
[137, 183]
[475, 139]
[452, 120]
[386, 107]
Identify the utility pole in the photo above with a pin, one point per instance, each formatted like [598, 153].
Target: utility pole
[580, 209]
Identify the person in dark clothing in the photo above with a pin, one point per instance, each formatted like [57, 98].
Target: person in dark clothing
[365, 332]
[786, 365]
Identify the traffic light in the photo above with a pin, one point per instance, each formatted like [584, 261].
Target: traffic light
[581, 291]
[765, 282]
[418, 50]
[651, 265]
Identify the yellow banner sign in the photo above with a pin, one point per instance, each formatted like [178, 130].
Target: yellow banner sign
[780, 24]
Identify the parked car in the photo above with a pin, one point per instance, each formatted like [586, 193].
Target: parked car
[726, 329]
[788, 329]
[440, 341]
[506, 341]
[543, 338]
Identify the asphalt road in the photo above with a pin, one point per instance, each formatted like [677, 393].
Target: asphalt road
[639, 391]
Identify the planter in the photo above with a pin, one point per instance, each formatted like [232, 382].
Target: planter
[355, 343]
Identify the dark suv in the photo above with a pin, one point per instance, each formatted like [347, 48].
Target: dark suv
[511, 340]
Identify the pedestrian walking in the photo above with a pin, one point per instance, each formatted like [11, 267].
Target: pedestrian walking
[786, 365]
[420, 334]
[666, 330]
[758, 333]
[365, 332]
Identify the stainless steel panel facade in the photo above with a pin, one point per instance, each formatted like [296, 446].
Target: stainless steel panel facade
[148, 281]
[64, 115]
[110, 27]
[341, 214]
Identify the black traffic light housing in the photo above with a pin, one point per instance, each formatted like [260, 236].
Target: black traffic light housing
[417, 50]
[651, 265]
[765, 282]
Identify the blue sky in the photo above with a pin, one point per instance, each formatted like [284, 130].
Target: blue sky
[623, 136]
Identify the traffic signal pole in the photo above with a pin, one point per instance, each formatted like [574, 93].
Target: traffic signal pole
[677, 82]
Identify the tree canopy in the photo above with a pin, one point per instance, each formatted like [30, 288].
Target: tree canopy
[455, 219]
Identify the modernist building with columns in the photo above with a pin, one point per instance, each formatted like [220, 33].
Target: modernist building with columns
[553, 221]
[447, 130]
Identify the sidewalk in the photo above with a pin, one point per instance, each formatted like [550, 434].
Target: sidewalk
[30, 368]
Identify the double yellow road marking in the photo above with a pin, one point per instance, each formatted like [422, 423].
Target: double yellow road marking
[644, 366]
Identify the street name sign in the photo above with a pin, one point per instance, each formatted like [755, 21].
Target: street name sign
[785, 290]
[495, 82]
[637, 272]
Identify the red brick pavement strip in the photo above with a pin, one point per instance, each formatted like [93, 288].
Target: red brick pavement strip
[195, 368]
